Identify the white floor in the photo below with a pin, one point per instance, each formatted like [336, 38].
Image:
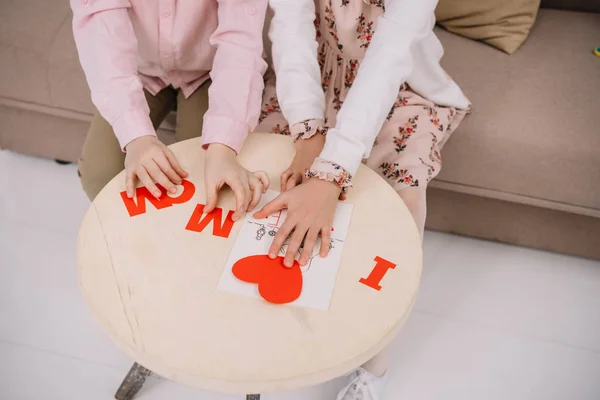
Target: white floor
[491, 322]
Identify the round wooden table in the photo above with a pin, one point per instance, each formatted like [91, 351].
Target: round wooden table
[152, 284]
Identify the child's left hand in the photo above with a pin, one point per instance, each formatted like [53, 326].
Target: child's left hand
[311, 207]
[306, 152]
[222, 168]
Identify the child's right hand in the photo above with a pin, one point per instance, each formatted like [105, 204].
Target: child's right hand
[311, 208]
[151, 161]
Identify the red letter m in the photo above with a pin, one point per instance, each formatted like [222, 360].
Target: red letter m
[197, 223]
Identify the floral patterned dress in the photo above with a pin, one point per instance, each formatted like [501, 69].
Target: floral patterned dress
[406, 151]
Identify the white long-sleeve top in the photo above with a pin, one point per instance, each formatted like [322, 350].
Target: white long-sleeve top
[403, 49]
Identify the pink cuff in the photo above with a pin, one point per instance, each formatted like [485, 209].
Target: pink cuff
[330, 171]
[132, 125]
[224, 130]
[307, 129]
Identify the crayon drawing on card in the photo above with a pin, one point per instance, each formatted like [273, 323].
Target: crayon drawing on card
[318, 275]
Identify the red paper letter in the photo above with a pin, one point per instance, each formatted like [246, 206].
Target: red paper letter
[163, 201]
[141, 194]
[377, 273]
[197, 223]
[188, 191]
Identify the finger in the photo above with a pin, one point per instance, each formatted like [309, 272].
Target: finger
[211, 197]
[285, 177]
[166, 167]
[241, 202]
[147, 181]
[256, 188]
[294, 246]
[263, 178]
[325, 241]
[247, 197]
[159, 177]
[130, 182]
[248, 190]
[175, 164]
[309, 244]
[280, 237]
[278, 203]
[293, 181]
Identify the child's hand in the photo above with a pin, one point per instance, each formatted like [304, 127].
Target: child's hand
[311, 207]
[151, 161]
[306, 152]
[221, 168]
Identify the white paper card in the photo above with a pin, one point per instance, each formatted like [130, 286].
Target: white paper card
[318, 275]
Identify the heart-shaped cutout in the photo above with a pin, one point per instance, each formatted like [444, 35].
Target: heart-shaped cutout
[276, 283]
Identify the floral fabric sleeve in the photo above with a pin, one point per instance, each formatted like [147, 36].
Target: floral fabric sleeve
[307, 129]
[331, 172]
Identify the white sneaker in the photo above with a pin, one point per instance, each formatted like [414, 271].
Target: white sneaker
[363, 385]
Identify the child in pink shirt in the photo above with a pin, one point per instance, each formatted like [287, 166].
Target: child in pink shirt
[144, 58]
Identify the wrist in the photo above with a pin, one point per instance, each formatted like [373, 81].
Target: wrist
[331, 185]
[329, 171]
[220, 150]
[313, 145]
[140, 140]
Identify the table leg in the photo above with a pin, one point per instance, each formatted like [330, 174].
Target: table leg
[133, 382]
[253, 397]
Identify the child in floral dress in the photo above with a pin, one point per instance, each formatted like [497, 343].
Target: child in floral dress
[356, 81]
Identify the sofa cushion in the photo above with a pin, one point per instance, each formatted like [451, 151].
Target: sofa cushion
[534, 132]
[39, 58]
[31, 24]
[500, 23]
[66, 80]
[40, 65]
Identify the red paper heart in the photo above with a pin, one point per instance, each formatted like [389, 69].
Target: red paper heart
[276, 283]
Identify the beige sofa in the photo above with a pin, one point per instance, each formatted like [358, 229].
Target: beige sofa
[524, 168]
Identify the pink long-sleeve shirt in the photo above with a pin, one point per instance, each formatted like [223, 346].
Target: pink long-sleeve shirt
[128, 45]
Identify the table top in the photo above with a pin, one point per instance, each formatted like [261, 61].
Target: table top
[152, 285]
